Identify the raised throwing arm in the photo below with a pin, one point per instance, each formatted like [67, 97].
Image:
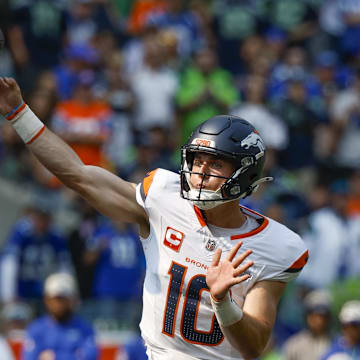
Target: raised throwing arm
[106, 192]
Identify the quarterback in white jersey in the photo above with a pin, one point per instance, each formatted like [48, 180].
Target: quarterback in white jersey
[177, 312]
[215, 270]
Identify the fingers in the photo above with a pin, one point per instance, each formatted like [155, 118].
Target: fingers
[241, 258]
[7, 81]
[3, 83]
[234, 250]
[216, 258]
[239, 279]
[11, 82]
[238, 271]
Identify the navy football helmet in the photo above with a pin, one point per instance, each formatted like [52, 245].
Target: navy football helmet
[228, 137]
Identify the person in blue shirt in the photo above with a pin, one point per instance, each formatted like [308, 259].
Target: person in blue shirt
[348, 345]
[185, 25]
[134, 349]
[34, 249]
[60, 334]
[118, 255]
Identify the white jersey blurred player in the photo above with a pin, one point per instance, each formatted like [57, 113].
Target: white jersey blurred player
[215, 270]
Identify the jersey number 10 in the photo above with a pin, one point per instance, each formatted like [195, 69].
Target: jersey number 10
[191, 306]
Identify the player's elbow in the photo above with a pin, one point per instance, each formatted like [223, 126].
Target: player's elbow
[259, 346]
[253, 345]
[252, 351]
[75, 180]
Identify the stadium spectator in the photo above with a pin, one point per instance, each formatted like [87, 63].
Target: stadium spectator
[75, 59]
[297, 18]
[141, 11]
[83, 121]
[233, 22]
[7, 65]
[116, 90]
[312, 342]
[291, 67]
[328, 237]
[86, 19]
[345, 124]
[43, 98]
[302, 123]
[154, 86]
[33, 250]
[251, 49]
[353, 204]
[347, 346]
[350, 14]
[331, 21]
[134, 49]
[60, 334]
[276, 41]
[115, 252]
[134, 349]
[352, 267]
[5, 350]
[203, 10]
[169, 44]
[184, 24]
[205, 90]
[15, 317]
[153, 149]
[34, 42]
[332, 74]
[77, 239]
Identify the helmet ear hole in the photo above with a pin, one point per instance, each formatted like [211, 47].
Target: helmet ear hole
[231, 190]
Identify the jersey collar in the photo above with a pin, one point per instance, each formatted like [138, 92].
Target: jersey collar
[263, 221]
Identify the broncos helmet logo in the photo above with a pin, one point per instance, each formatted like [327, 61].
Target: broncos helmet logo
[253, 139]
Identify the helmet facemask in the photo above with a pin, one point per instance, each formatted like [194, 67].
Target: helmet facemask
[230, 190]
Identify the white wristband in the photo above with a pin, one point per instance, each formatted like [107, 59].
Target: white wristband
[26, 124]
[226, 311]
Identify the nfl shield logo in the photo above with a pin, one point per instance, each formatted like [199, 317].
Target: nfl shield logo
[210, 245]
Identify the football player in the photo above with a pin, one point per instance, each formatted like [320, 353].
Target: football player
[215, 270]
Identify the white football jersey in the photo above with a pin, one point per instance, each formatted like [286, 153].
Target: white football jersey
[177, 312]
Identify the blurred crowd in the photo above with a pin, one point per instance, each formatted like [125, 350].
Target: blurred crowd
[124, 82]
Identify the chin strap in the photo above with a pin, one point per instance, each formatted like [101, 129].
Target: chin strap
[255, 185]
[264, 179]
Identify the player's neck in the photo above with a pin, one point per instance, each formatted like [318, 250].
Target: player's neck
[228, 215]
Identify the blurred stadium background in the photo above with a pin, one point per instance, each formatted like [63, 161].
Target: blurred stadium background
[124, 82]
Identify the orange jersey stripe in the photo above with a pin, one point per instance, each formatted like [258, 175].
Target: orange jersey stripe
[253, 232]
[200, 216]
[148, 181]
[300, 262]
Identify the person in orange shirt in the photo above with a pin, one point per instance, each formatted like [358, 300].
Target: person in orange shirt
[353, 202]
[140, 13]
[83, 121]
